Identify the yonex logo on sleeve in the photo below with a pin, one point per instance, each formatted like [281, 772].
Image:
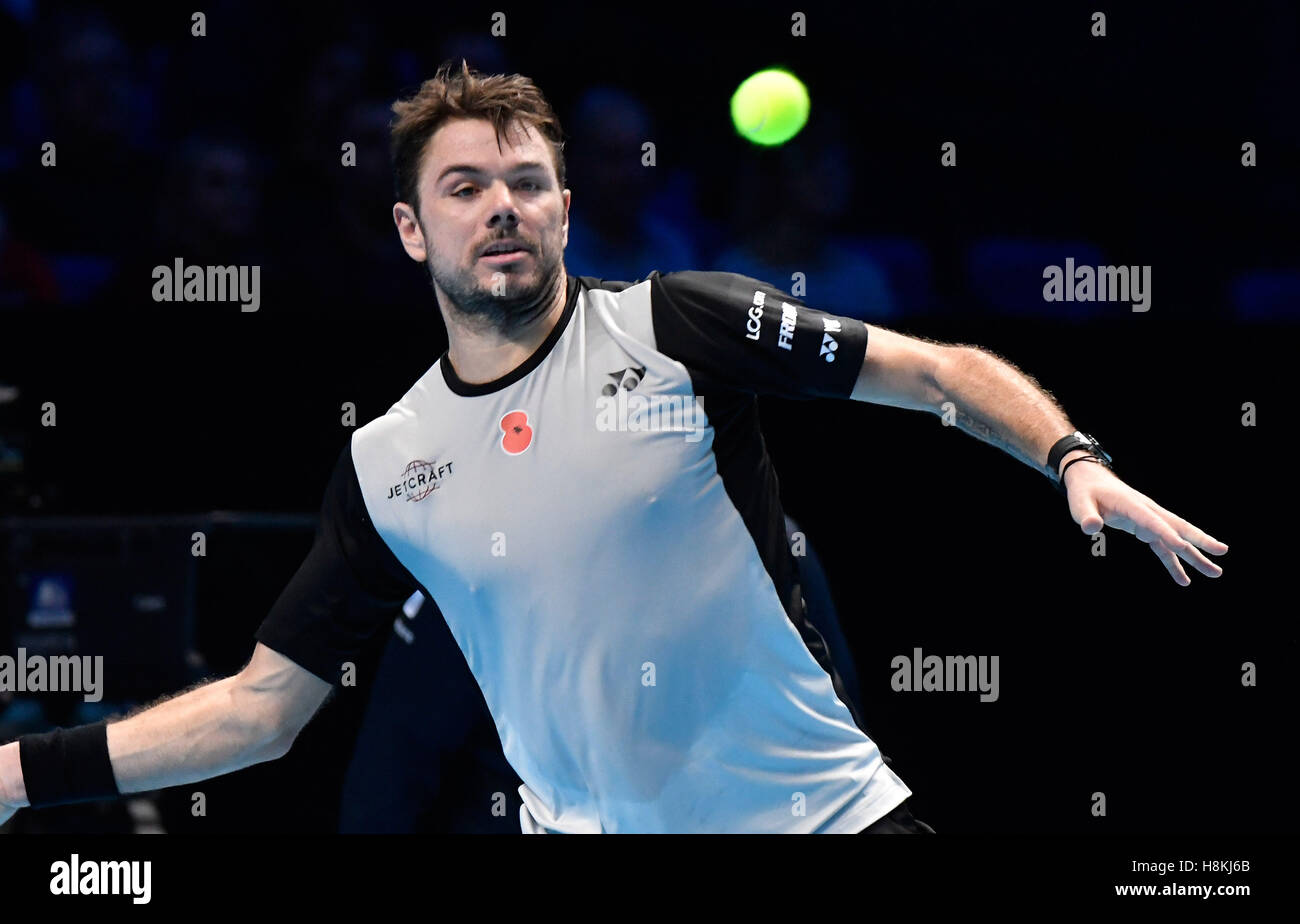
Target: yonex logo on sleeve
[829, 343]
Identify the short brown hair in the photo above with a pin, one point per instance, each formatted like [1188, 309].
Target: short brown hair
[499, 98]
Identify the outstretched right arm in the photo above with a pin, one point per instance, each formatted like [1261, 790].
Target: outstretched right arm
[222, 726]
[343, 594]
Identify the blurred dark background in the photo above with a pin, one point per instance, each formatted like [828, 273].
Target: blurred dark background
[1125, 149]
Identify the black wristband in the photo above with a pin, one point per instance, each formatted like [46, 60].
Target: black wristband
[1060, 482]
[67, 765]
[1061, 447]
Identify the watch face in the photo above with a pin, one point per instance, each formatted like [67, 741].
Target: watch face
[1096, 446]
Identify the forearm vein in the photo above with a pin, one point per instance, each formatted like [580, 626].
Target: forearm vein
[995, 402]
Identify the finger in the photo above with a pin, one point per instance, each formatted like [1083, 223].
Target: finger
[1192, 555]
[1118, 521]
[1085, 512]
[1171, 563]
[1153, 527]
[1190, 532]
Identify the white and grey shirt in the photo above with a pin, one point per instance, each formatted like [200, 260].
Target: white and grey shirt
[602, 532]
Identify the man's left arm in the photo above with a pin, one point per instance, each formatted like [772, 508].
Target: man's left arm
[992, 400]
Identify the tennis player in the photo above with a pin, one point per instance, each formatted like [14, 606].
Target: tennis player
[581, 485]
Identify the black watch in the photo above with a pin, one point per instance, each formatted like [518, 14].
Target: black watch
[1076, 440]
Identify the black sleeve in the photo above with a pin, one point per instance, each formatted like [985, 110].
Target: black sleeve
[749, 335]
[347, 589]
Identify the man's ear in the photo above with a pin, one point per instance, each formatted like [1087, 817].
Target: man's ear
[409, 230]
[568, 196]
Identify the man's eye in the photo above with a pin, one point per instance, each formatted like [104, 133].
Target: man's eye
[531, 184]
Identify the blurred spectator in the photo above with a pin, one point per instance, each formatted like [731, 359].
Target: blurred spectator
[89, 209]
[1266, 295]
[212, 202]
[26, 278]
[1005, 277]
[483, 52]
[353, 254]
[207, 213]
[14, 65]
[793, 213]
[617, 229]
[334, 79]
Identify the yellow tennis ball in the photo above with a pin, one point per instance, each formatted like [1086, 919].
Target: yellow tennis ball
[770, 107]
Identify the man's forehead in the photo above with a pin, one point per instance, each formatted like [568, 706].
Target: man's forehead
[474, 142]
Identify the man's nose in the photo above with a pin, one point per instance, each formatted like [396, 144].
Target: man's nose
[503, 206]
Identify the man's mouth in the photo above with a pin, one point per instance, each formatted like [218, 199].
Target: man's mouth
[503, 251]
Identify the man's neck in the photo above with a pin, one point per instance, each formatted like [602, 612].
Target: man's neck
[485, 355]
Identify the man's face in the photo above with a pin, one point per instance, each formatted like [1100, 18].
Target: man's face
[474, 195]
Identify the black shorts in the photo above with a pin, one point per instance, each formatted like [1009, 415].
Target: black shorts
[898, 821]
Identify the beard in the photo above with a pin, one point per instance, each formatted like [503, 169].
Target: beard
[479, 307]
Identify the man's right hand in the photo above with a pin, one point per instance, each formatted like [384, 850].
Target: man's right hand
[8, 804]
[10, 764]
